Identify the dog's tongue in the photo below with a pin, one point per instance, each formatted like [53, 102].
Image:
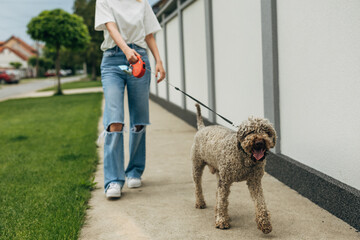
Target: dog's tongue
[258, 154]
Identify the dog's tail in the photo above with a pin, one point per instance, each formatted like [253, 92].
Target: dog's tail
[200, 122]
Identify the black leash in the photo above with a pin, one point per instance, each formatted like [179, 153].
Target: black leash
[178, 89]
[125, 68]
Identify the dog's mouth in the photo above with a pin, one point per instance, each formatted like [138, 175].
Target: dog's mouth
[259, 150]
[259, 154]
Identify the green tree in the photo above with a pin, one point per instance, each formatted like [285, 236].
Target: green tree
[70, 59]
[44, 64]
[58, 28]
[93, 54]
[16, 65]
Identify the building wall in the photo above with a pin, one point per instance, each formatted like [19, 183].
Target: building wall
[7, 56]
[238, 59]
[195, 54]
[174, 71]
[17, 46]
[161, 45]
[153, 80]
[319, 72]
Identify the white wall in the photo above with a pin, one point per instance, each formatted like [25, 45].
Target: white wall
[161, 46]
[7, 56]
[319, 72]
[238, 59]
[195, 55]
[153, 80]
[174, 69]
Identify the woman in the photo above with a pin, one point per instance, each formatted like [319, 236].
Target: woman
[128, 27]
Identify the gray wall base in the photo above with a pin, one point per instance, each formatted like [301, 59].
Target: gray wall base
[339, 199]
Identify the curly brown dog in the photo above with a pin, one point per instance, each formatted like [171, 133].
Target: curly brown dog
[233, 157]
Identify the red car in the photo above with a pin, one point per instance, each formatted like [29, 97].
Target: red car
[50, 73]
[8, 77]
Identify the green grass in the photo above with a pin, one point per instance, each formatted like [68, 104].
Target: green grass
[47, 161]
[83, 83]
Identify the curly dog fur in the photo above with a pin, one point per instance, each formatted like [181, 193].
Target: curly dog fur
[233, 157]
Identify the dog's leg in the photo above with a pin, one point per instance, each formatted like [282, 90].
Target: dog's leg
[198, 168]
[217, 199]
[262, 214]
[221, 210]
[216, 206]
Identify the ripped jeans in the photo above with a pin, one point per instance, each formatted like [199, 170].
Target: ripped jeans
[114, 82]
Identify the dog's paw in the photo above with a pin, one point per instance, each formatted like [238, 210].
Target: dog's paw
[222, 223]
[200, 205]
[265, 226]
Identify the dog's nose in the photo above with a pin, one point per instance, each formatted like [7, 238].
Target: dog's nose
[259, 145]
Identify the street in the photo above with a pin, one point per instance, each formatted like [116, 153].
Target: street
[12, 91]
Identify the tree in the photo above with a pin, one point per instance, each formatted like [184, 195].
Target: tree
[16, 65]
[70, 59]
[58, 28]
[43, 63]
[93, 54]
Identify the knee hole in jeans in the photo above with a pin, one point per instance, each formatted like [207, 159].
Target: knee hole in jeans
[138, 128]
[115, 127]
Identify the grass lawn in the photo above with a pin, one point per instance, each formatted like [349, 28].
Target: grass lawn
[47, 160]
[83, 83]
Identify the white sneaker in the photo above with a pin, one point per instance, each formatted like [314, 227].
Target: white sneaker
[133, 182]
[114, 190]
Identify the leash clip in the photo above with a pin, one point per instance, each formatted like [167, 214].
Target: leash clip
[137, 69]
[126, 69]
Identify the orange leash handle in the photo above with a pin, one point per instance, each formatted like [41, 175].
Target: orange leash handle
[138, 68]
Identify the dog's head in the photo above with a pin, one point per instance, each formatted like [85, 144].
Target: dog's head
[256, 136]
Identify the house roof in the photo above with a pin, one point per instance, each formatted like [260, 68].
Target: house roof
[33, 50]
[1, 43]
[22, 56]
[26, 46]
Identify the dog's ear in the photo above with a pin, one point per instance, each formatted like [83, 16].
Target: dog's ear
[243, 132]
[270, 131]
[246, 128]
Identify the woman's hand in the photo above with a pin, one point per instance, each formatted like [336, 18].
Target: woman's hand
[159, 69]
[150, 40]
[131, 55]
[116, 36]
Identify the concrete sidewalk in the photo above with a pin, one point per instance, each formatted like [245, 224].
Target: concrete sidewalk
[163, 208]
[35, 94]
[66, 92]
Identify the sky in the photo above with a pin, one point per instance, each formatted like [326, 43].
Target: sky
[16, 14]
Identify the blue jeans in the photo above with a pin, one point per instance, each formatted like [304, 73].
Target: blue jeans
[114, 82]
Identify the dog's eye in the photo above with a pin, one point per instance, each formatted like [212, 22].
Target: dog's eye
[269, 133]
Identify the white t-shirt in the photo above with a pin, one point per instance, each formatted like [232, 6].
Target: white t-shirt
[134, 19]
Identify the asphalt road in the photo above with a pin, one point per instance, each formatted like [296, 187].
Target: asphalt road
[13, 91]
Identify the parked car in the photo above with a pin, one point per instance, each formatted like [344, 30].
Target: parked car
[10, 76]
[50, 73]
[65, 72]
